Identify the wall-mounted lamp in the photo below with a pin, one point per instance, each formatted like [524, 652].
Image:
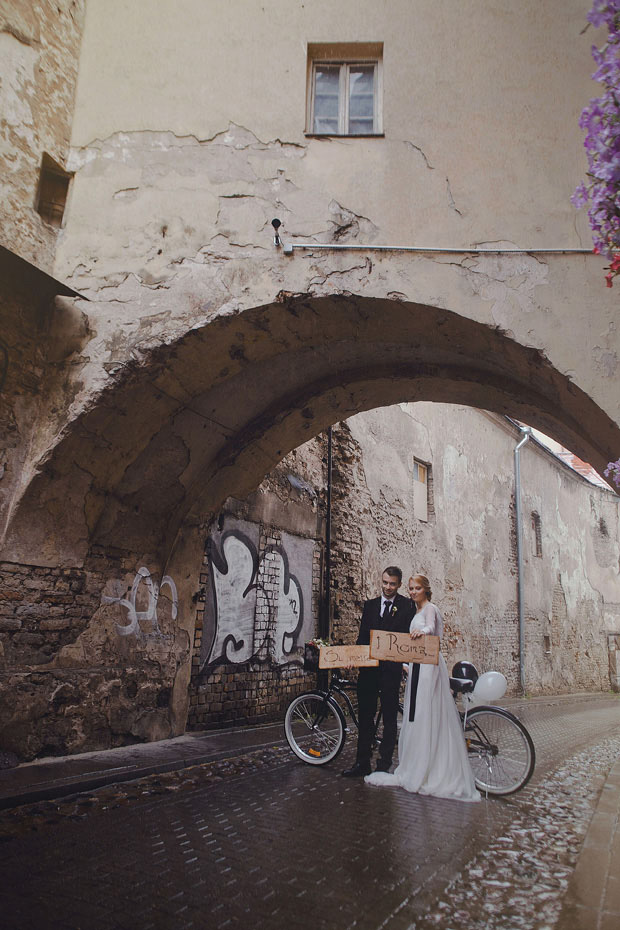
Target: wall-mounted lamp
[276, 223]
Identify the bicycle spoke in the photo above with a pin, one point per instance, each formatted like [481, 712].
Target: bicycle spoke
[500, 750]
[314, 728]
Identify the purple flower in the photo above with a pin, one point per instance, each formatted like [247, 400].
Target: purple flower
[580, 197]
[600, 121]
[613, 471]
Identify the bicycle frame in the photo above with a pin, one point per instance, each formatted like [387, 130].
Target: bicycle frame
[335, 687]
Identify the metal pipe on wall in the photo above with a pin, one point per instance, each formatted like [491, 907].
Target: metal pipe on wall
[527, 432]
[325, 605]
[326, 619]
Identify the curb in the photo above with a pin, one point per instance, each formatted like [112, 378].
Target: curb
[50, 786]
[592, 900]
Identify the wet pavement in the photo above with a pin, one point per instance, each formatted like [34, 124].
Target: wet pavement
[258, 839]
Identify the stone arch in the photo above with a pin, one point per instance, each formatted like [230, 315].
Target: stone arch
[208, 416]
[130, 487]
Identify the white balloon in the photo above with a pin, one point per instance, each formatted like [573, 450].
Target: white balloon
[490, 687]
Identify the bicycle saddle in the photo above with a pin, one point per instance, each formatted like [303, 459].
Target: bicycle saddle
[462, 685]
[465, 670]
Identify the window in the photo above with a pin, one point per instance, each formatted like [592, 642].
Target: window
[344, 90]
[537, 527]
[53, 190]
[420, 490]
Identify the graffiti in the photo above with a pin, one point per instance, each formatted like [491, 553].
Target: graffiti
[289, 609]
[234, 573]
[134, 616]
[256, 605]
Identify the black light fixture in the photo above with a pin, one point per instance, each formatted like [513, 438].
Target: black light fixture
[276, 223]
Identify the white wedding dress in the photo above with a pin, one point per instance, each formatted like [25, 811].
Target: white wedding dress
[432, 753]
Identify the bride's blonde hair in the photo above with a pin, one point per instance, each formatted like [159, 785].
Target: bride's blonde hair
[425, 584]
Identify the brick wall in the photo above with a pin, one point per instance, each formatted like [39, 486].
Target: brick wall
[259, 690]
[68, 681]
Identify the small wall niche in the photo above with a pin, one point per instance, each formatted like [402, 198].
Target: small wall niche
[52, 192]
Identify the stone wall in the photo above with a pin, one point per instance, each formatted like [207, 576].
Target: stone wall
[467, 546]
[39, 49]
[85, 663]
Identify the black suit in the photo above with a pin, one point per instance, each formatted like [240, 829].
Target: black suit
[382, 681]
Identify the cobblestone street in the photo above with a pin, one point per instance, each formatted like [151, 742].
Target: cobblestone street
[265, 841]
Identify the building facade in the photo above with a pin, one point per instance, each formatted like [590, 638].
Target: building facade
[165, 345]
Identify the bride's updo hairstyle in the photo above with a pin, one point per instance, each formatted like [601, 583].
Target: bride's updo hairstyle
[423, 580]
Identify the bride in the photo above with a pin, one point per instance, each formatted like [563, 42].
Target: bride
[431, 748]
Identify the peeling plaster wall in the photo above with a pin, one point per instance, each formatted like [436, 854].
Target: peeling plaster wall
[75, 675]
[39, 49]
[176, 183]
[468, 545]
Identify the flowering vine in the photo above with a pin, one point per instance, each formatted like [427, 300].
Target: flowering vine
[613, 471]
[600, 120]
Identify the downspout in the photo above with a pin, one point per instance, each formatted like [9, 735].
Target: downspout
[326, 612]
[526, 431]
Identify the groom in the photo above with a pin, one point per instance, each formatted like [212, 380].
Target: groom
[391, 612]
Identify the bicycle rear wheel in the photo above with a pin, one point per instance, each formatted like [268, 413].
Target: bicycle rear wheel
[501, 751]
[315, 728]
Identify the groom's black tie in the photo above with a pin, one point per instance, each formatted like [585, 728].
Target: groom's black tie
[387, 610]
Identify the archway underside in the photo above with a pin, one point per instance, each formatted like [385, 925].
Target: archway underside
[209, 416]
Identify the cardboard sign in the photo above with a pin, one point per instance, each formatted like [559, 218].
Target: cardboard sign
[399, 647]
[345, 657]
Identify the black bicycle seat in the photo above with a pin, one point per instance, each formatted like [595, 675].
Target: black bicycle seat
[462, 685]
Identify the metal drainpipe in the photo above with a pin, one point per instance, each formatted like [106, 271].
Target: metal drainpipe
[519, 531]
[325, 625]
[324, 611]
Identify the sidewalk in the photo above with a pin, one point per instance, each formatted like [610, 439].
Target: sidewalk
[56, 777]
[592, 901]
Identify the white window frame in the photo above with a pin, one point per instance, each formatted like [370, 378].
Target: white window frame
[344, 57]
[421, 472]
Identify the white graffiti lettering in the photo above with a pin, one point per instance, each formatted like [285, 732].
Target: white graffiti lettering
[244, 624]
[288, 614]
[235, 597]
[150, 614]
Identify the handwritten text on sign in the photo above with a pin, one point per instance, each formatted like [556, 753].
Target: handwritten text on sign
[399, 647]
[345, 657]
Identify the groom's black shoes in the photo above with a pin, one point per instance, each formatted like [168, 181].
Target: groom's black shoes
[382, 766]
[358, 770]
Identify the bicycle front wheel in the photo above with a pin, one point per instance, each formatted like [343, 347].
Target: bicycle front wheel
[501, 751]
[315, 728]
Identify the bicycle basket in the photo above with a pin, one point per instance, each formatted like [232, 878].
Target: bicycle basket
[311, 657]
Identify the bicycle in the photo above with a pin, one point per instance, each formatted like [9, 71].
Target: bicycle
[501, 751]
[315, 725]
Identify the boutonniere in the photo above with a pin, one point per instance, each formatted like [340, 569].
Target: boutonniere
[394, 609]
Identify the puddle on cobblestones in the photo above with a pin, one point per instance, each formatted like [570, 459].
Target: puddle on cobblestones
[519, 881]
